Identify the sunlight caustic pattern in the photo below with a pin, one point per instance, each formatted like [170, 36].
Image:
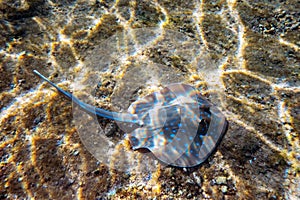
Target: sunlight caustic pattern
[258, 99]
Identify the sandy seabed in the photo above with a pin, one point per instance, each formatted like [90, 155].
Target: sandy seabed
[245, 59]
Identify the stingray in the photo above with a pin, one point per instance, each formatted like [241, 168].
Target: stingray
[176, 124]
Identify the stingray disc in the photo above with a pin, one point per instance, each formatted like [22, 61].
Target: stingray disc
[180, 127]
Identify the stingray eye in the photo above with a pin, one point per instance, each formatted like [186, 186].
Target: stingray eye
[203, 127]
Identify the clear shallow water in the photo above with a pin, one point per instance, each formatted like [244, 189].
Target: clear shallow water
[252, 77]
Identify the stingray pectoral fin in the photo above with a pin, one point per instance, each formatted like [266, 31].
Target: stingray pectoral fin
[217, 128]
[122, 117]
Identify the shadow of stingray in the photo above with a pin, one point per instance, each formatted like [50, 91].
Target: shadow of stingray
[261, 168]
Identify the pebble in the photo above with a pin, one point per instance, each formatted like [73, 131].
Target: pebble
[197, 178]
[76, 153]
[224, 188]
[221, 180]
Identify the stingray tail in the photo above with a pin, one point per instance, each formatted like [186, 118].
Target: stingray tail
[122, 117]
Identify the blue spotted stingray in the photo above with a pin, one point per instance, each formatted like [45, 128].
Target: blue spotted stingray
[176, 124]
